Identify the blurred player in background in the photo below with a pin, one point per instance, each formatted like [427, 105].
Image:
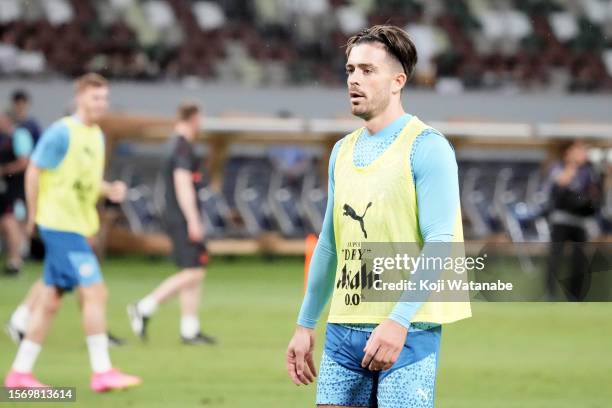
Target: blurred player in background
[576, 195]
[182, 176]
[20, 113]
[15, 148]
[63, 184]
[394, 180]
[18, 323]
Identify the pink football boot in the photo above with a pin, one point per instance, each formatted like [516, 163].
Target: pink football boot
[113, 379]
[15, 379]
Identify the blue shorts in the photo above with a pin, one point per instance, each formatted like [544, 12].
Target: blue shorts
[69, 260]
[410, 383]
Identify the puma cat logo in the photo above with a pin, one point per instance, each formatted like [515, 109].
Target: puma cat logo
[348, 210]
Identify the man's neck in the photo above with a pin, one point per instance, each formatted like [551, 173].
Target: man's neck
[81, 117]
[384, 119]
[184, 131]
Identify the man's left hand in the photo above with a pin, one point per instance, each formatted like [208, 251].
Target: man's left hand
[116, 191]
[384, 346]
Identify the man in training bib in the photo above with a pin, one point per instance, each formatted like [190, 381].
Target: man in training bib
[393, 180]
[63, 183]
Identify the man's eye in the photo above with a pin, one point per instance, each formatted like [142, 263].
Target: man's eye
[367, 71]
[349, 71]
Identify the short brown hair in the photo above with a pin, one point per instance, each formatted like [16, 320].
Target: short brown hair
[395, 40]
[90, 80]
[186, 110]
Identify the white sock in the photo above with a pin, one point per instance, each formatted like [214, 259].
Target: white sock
[147, 306]
[26, 356]
[98, 353]
[190, 326]
[19, 318]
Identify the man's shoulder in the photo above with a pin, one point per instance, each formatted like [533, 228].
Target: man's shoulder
[354, 133]
[180, 145]
[431, 137]
[31, 122]
[57, 130]
[349, 136]
[426, 129]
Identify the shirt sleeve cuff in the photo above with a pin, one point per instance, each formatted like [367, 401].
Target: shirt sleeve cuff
[306, 322]
[404, 312]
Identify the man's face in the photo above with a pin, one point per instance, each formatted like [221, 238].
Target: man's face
[372, 77]
[20, 108]
[578, 153]
[94, 102]
[195, 121]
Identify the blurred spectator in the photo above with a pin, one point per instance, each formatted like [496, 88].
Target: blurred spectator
[210, 15]
[15, 148]
[20, 113]
[8, 53]
[351, 19]
[575, 197]
[31, 60]
[291, 162]
[58, 11]
[429, 42]
[463, 44]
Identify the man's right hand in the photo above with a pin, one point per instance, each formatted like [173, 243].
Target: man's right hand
[195, 230]
[300, 363]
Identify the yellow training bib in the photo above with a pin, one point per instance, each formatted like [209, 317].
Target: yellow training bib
[68, 194]
[378, 203]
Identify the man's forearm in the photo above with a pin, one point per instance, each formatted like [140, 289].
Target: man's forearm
[320, 285]
[31, 189]
[15, 166]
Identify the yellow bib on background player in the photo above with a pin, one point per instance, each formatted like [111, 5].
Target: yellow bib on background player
[68, 194]
[378, 203]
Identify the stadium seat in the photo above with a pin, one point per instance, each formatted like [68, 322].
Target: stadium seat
[251, 196]
[314, 201]
[139, 210]
[285, 204]
[216, 215]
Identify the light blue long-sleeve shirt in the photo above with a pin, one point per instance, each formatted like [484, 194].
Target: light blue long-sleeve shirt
[434, 169]
[52, 146]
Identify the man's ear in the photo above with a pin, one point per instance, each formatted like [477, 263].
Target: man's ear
[399, 81]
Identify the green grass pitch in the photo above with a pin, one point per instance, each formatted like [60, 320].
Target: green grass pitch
[507, 355]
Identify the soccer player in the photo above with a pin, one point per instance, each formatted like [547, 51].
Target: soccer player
[17, 325]
[20, 113]
[63, 183]
[379, 353]
[15, 148]
[182, 175]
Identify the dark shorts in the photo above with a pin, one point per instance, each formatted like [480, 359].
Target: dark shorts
[7, 203]
[186, 253]
[11, 197]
